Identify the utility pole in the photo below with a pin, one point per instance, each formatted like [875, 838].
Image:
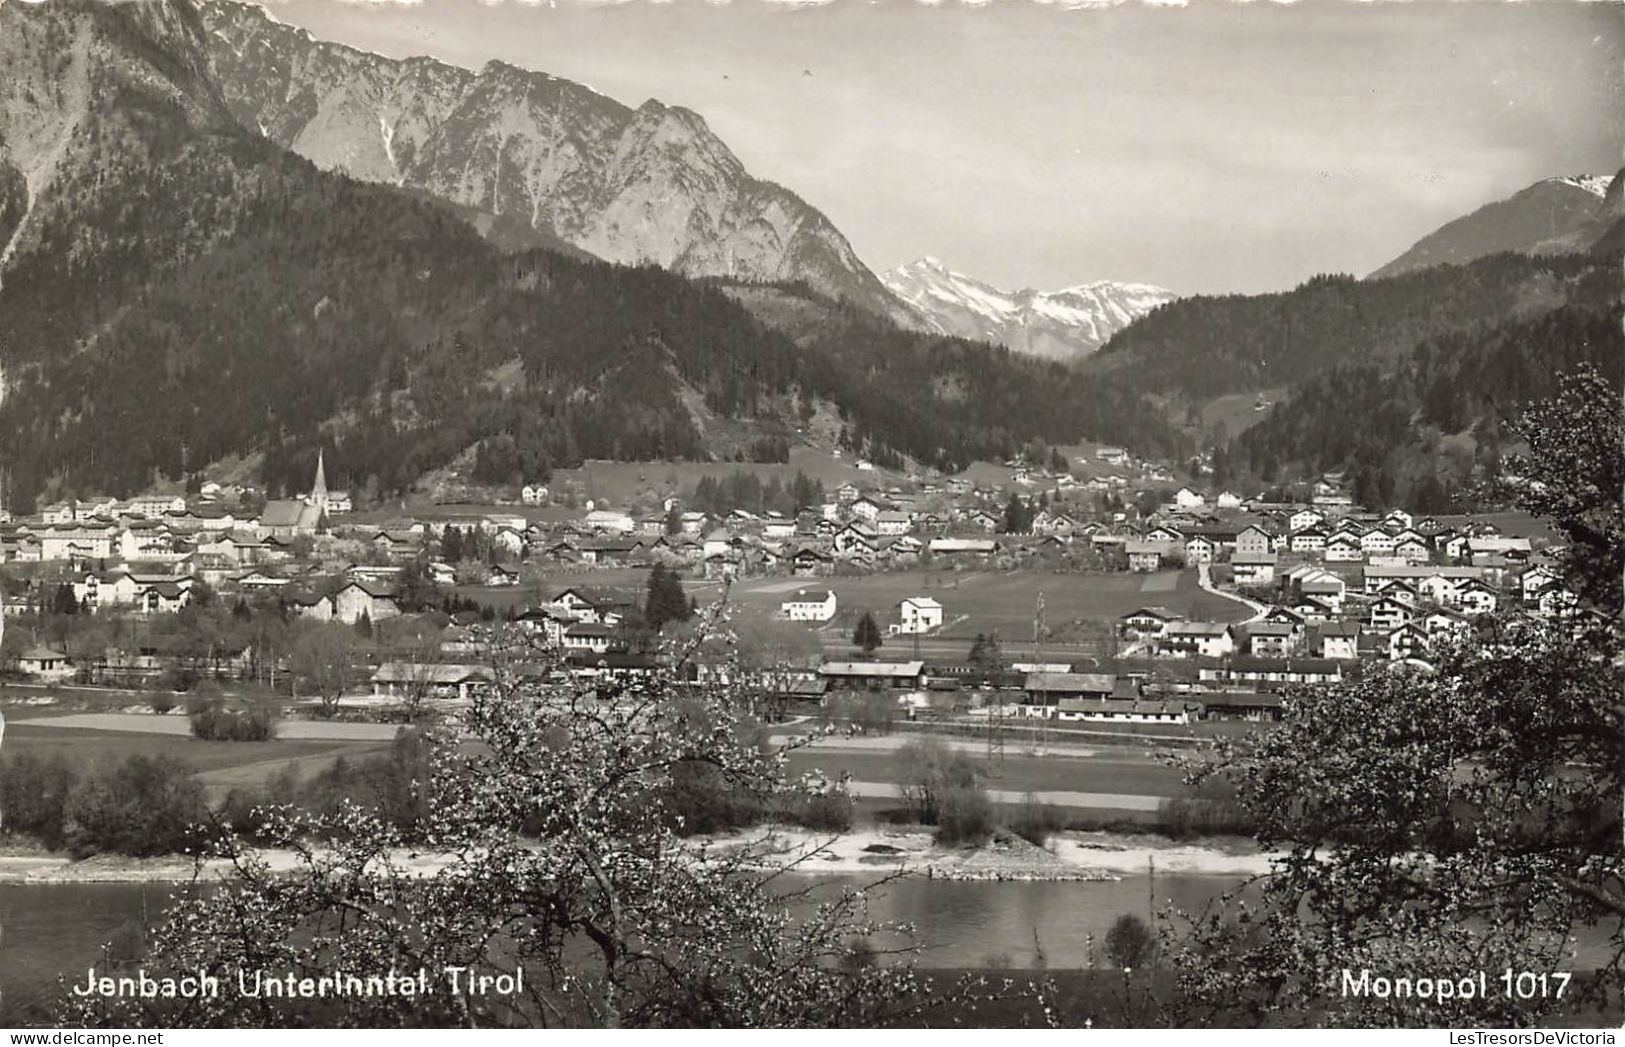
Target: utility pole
[1038, 660]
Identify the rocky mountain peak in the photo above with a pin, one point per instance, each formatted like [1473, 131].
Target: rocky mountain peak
[651, 184]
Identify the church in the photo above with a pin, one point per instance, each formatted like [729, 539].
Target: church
[290, 517]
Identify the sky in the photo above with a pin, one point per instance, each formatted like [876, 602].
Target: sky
[1215, 147]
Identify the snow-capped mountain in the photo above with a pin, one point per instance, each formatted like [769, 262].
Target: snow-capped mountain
[1060, 325]
[646, 185]
[1553, 216]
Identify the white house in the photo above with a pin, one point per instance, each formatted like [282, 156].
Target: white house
[890, 522]
[1254, 568]
[533, 494]
[1305, 518]
[808, 606]
[1204, 639]
[1186, 498]
[1344, 548]
[918, 614]
[1200, 549]
[156, 505]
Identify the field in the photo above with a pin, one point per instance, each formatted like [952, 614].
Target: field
[973, 602]
[220, 765]
[1002, 601]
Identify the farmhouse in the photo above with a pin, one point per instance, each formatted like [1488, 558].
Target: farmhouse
[1270, 639]
[1339, 640]
[1200, 549]
[1309, 540]
[1147, 557]
[809, 606]
[1254, 541]
[1254, 568]
[1148, 621]
[357, 599]
[1204, 639]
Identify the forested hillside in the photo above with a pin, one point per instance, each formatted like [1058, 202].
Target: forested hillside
[976, 401]
[1202, 347]
[1420, 431]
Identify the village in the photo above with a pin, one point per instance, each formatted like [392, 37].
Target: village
[1170, 607]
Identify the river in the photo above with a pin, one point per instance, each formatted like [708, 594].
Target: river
[48, 931]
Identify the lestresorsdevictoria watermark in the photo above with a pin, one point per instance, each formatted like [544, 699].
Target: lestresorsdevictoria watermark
[201, 984]
[1507, 984]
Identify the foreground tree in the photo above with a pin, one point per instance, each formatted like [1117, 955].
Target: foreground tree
[548, 847]
[1457, 819]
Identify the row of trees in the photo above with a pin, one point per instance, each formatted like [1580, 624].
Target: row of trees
[746, 490]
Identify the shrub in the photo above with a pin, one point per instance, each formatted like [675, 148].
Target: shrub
[698, 798]
[33, 796]
[1130, 942]
[142, 807]
[930, 769]
[244, 807]
[964, 815]
[1036, 822]
[1184, 816]
[829, 811]
[213, 722]
[161, 703]
[875, 713]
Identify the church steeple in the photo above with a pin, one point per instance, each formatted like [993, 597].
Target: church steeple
[318, 487]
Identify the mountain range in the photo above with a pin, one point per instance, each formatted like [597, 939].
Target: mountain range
[179, 290]
[223, 241]
[1059, 325]
[650, 184]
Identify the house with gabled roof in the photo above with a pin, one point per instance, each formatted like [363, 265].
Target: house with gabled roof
[358, 599]
[1147, 621]
[1197, 639]
[1338, 640]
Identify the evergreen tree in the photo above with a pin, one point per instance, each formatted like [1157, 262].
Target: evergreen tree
[866, 636]
[665, 601]
[985, 653]
[1018, 516]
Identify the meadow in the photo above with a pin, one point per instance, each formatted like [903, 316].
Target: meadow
[219, 765]
[973, 601]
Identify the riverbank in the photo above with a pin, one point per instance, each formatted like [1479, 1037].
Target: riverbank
[1068, 856]
[885, 851]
